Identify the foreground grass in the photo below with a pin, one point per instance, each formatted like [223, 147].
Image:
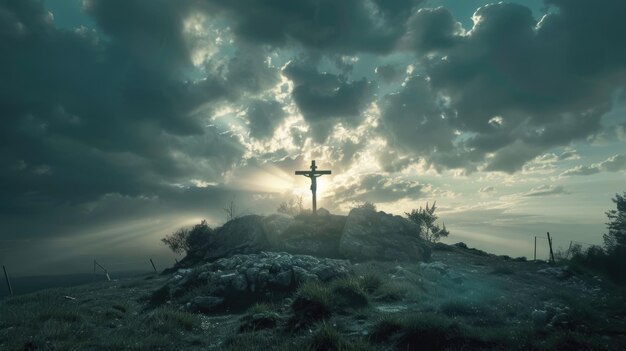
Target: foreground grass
[382, 306]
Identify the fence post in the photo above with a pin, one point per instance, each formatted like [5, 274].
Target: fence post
[535, 255]
[153, 265]
[6, 276]
[551, 252]
[569, 249]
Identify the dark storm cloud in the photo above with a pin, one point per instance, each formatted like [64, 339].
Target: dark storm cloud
[347, 27]
[432, 30]
[86, 116]
[264, 116]
[516, 87]
[325, 98]
[414, 120]
[389, 73]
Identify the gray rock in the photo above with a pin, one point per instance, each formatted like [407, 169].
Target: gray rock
[436, 266]
[262, 274]
[322, 212]
[370, 235]
[240, 283]
[206, 304]
[275, 226]
[310, 235]
[240, 236]
[283, 279]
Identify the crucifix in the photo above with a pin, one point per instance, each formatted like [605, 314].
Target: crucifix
[313, 174]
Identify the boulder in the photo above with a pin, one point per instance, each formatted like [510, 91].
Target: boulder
[206, 304]
[239, 236]
[275, 225]
[308, 234]
[370, 235]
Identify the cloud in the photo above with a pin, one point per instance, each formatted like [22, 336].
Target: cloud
[614, 163]
[378, 188]
[487, 189]
[546, 190]
[389, 73]
[326, 98]
[512, 68]
[344, 27]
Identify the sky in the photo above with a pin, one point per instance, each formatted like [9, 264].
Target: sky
[124, 120]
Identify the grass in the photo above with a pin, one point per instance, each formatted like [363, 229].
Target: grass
[502, 269]
[348, 293]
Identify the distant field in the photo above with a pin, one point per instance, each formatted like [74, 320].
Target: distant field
[29, 284]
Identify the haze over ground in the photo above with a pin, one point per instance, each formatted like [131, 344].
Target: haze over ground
[122, 121]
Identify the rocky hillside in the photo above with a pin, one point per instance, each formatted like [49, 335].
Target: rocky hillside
[361, 282]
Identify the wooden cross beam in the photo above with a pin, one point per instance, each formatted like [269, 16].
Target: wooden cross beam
[313, 174]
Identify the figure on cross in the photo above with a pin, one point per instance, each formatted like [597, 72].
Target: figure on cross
[313, 174]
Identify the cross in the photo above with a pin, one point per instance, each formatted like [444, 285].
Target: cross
[313, 174]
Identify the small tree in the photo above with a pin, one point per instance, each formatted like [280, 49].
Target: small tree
[292, 207]
[425, 218]
[177, 241]
[199, 236]
[188, 241]
[231, 211]
[615, 238]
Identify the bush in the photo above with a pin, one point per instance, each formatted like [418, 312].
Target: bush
[612, 258]
[425, 218]
[370, 206]
[189, 241]
[292, 208]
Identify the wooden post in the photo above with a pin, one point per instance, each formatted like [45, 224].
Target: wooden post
[550, 244]
[153, 265]
[6, 276]
[94, 269]
[569, 249]
[535, 255]
[106, 273]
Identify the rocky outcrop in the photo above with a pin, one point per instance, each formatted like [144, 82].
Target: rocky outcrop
[245, 278]
[370, 235]
[242, 235]
[308, 234]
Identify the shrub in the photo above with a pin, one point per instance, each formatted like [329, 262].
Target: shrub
[370, 206]
[425, 218]
[293, 207]
[189, 241]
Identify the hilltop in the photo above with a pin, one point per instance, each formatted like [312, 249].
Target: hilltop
[357, 282]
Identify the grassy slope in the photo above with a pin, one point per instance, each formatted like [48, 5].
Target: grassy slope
[479, 302]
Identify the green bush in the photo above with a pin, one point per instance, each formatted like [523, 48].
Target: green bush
[189, 241]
